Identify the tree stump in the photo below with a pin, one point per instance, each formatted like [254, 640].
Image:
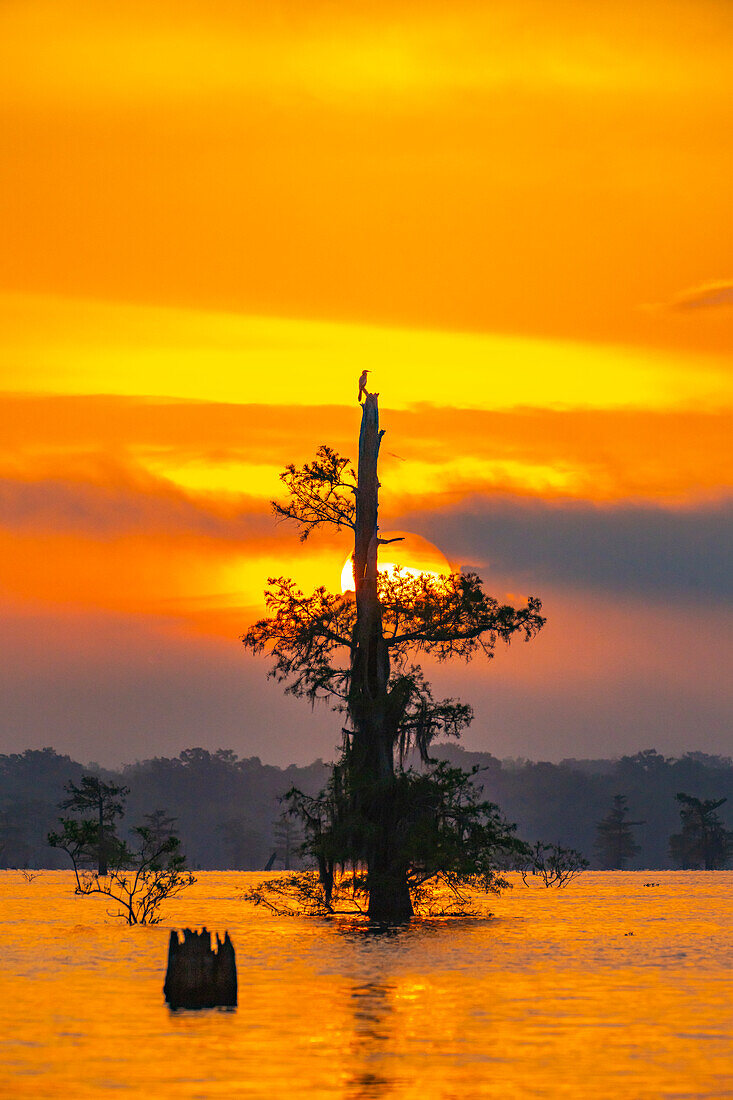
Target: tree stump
[199, 976]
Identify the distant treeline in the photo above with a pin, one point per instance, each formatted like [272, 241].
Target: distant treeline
[229, 815]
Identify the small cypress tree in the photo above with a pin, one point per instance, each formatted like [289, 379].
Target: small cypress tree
[138, 878]
[703, 840]
[105, 802]
[615, 844]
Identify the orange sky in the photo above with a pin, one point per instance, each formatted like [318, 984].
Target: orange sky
[216, 214]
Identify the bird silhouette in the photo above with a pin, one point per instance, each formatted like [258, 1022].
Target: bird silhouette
[362, 384]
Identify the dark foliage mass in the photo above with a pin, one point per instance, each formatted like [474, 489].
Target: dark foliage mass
[449, 839]
[561, 802]
[89, 835]
[615, 845]
[703, 841]
[226, 810]
[228, 814]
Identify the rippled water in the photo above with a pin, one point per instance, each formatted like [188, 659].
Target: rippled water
[607, 989]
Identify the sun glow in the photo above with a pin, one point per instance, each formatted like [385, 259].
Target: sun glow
[413, 555]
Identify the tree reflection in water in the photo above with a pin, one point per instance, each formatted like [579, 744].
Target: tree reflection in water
[372, 1007]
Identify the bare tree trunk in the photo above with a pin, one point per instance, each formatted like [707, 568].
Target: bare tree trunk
[371, 763]
[102, 853]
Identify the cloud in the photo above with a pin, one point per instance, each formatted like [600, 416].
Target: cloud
[103, 511]
[708, 296]
[596, 454]
[641, 549]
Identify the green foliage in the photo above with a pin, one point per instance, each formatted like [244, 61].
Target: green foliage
[80, 840]
[448, 616]
[703, 840]
[155, 873]
[450, 832]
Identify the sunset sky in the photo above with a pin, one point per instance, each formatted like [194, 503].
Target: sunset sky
[217, 213]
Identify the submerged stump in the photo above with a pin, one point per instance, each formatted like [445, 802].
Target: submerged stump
[199, 975]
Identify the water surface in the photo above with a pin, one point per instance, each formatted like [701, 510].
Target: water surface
[610, 988]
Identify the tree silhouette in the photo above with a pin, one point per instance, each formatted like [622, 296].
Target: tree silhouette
[703, 840]
[244, 841]
[551, 863]
[615, 845]
[137, 878]
[95, 837]
[353, 650]
[288, 838]
[161, 825]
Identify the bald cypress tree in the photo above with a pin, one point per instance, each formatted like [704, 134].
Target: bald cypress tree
[393, 827]
[615, 844]
[703, 841]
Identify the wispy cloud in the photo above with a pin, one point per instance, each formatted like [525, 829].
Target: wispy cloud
[103, 511]
[708, 296]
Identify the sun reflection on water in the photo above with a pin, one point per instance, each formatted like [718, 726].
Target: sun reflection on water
[552, 992]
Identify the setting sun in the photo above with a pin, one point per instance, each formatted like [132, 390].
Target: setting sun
[286, 282]
[413, 555]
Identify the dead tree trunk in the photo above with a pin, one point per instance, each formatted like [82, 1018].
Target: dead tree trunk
[371, 756]
[102, 852]
[199, 976]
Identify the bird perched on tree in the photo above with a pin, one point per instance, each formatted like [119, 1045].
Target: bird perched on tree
[362, 383]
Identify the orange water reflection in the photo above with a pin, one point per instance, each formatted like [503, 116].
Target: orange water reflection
[611, 988]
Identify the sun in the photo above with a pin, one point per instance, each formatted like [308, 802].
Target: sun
[413, 555]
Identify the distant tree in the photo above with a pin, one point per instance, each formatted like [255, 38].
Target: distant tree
[649, 761]
[552, 864]
[615, 845]
[244, 842]
[139, 877]
[288, 838]
[703, 840]
[95, 837]
[161, 825]
[547, 800]
[11, 835]
[708, 760]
